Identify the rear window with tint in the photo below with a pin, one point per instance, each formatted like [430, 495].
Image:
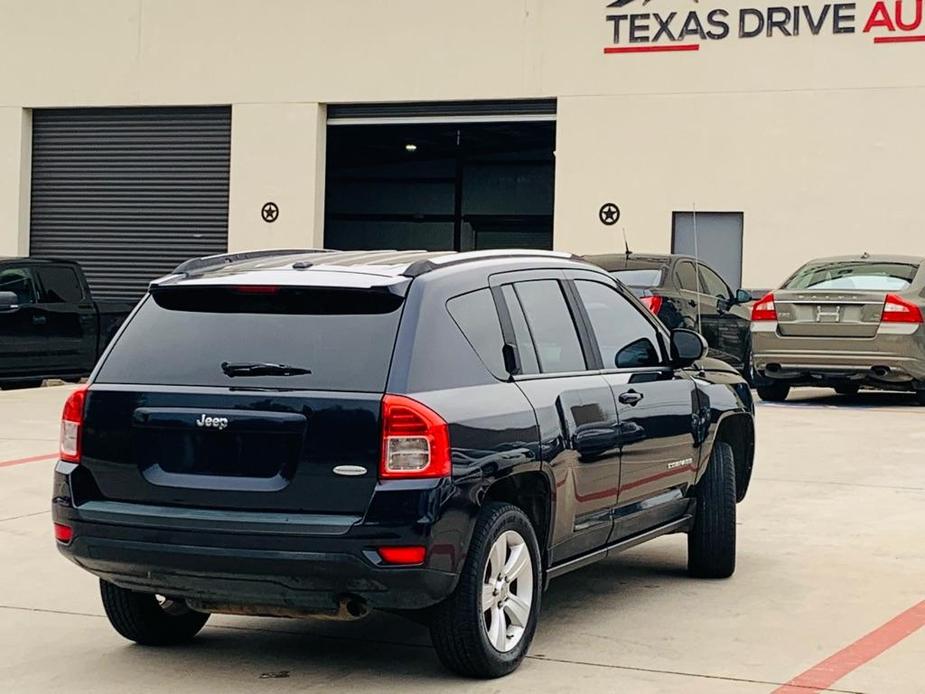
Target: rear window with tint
[639, 278]
[889, 277]
[182, 337]
[477, 317]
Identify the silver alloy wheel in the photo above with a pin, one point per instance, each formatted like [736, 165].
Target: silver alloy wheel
[507, 591]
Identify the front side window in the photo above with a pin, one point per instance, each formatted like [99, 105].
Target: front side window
[626, 339]
[713, 284]
[19, 281]
[60, 285]
[551, 326]
[860, 275]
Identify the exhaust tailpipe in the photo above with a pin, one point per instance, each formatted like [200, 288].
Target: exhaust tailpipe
[349, 608]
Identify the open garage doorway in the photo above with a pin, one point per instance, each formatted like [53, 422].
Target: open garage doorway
[453, 180]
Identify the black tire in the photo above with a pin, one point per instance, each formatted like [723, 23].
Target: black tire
[21, 385]
[774, 392]
[711, 543]
[144, 619]
[848, 389]
[457, 626]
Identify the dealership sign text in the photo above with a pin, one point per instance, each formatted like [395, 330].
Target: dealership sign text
[888, 21]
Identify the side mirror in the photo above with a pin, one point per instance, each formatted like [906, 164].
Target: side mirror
[687, 347]
[8, 302]
[743, 296]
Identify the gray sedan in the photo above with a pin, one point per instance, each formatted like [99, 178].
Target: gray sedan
[844, 322]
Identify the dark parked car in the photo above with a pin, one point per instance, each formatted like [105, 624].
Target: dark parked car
[685, 293]
[329, 432]
[844, 322]
[50, 326]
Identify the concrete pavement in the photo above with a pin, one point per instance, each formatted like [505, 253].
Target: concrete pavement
[831, 548]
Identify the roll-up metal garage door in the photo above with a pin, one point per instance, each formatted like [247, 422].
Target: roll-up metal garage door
[129, 193]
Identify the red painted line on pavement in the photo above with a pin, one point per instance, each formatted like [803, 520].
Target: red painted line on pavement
[829, 671]
[33, 459]
[674, 48]
[899, 39]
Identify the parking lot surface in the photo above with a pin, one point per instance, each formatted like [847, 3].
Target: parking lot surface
[829, 594]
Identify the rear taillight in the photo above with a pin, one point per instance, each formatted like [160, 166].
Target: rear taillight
[405, 556]
[765, 309]
[898, 310]
[653, 303]
[415, 440]
[72, 420]
[64, 533]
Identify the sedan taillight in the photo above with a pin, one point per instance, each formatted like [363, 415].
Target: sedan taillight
[72, 420]
[653, 303]
[898, 310]
[415, 440]
[765, 310]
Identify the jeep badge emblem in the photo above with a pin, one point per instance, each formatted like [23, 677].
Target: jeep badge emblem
[212, 422]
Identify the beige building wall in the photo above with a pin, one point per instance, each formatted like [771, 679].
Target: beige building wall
[277, 155]
[816, 173]
[814, 138]
[15, 177]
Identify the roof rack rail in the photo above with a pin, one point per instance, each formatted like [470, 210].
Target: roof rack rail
[422, 267]
[213, 261]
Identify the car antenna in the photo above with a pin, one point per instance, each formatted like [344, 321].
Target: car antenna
[697, 270]
[626, 244]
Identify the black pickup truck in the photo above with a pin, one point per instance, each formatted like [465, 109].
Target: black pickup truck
[50, 326]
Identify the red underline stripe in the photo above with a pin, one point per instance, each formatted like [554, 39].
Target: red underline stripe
[33, 459]
[669, 48]
[899, 39]
[822, 676]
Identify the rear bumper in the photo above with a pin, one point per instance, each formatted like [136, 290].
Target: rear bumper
[895, 356]
[255, 559]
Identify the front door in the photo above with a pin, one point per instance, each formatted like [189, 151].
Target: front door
[574, 407]
[22, 333]
[655, 407]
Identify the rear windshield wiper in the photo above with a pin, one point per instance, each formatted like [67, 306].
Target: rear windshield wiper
[262, 369]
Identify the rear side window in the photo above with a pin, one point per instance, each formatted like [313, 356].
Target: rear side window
[626, 339]
[19, 281]
[639, 278]
[477, 317]
[887, 277]
[59, 285]
[687, 277]
[549, 320]
[184, 337]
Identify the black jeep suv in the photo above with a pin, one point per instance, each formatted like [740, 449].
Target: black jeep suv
[320, 433]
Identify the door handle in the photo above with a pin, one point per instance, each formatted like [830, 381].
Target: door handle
[39, 320]
[631, 398]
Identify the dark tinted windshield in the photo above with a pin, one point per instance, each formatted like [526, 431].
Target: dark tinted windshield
[639, 278]
[182, 337]
[861, 275]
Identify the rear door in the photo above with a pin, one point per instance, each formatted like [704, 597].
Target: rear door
[69, 318]
[655, 405]
[22, 333]
[186, 411]
[574, 407]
